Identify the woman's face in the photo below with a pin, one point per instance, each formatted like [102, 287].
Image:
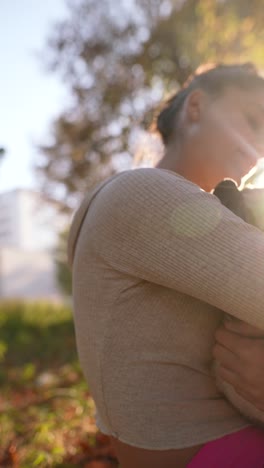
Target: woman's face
[230, 134]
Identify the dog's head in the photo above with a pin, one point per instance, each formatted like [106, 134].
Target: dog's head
[231, 197]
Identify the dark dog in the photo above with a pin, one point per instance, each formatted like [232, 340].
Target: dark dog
[249, 205]
[231, 197]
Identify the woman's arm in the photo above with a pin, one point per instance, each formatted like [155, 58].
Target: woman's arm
[161, 228]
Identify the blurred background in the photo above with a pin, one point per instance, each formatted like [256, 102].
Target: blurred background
[81, 81]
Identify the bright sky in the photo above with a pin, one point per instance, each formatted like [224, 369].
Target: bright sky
[30, 97]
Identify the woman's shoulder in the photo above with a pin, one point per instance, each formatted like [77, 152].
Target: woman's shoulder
[149, 182]
[150, 173]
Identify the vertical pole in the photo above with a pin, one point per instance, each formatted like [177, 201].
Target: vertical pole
[2, 154]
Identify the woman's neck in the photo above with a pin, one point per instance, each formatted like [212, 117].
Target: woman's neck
[184, 166]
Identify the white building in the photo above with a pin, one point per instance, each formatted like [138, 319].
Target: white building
[29, 227]
[29, 221]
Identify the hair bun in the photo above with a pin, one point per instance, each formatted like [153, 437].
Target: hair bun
[166, 120]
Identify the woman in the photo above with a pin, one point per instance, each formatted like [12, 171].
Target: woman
[156, 259]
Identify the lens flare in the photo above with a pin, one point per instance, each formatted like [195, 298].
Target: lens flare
[182, 218]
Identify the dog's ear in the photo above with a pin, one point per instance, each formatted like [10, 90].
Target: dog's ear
[227, 192]
[231, 197]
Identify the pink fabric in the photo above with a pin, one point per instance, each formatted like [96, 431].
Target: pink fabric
[243, 449]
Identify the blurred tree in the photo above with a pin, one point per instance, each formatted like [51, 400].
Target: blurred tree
[63, 272]
[119, 61]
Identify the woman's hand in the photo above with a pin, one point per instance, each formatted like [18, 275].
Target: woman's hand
[240, 350]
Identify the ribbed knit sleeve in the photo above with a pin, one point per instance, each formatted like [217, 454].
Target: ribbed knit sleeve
[156, 226]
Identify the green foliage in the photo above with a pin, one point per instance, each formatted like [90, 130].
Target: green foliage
[118, 67]
[28, 330]
[46, 411]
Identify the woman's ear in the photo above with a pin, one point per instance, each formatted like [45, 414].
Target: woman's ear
[194, 105]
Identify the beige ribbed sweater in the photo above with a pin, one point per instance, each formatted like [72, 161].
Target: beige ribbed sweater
[155, 262]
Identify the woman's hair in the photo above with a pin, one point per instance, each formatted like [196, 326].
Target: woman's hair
[212, 79]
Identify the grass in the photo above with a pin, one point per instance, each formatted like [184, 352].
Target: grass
[46, 410]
